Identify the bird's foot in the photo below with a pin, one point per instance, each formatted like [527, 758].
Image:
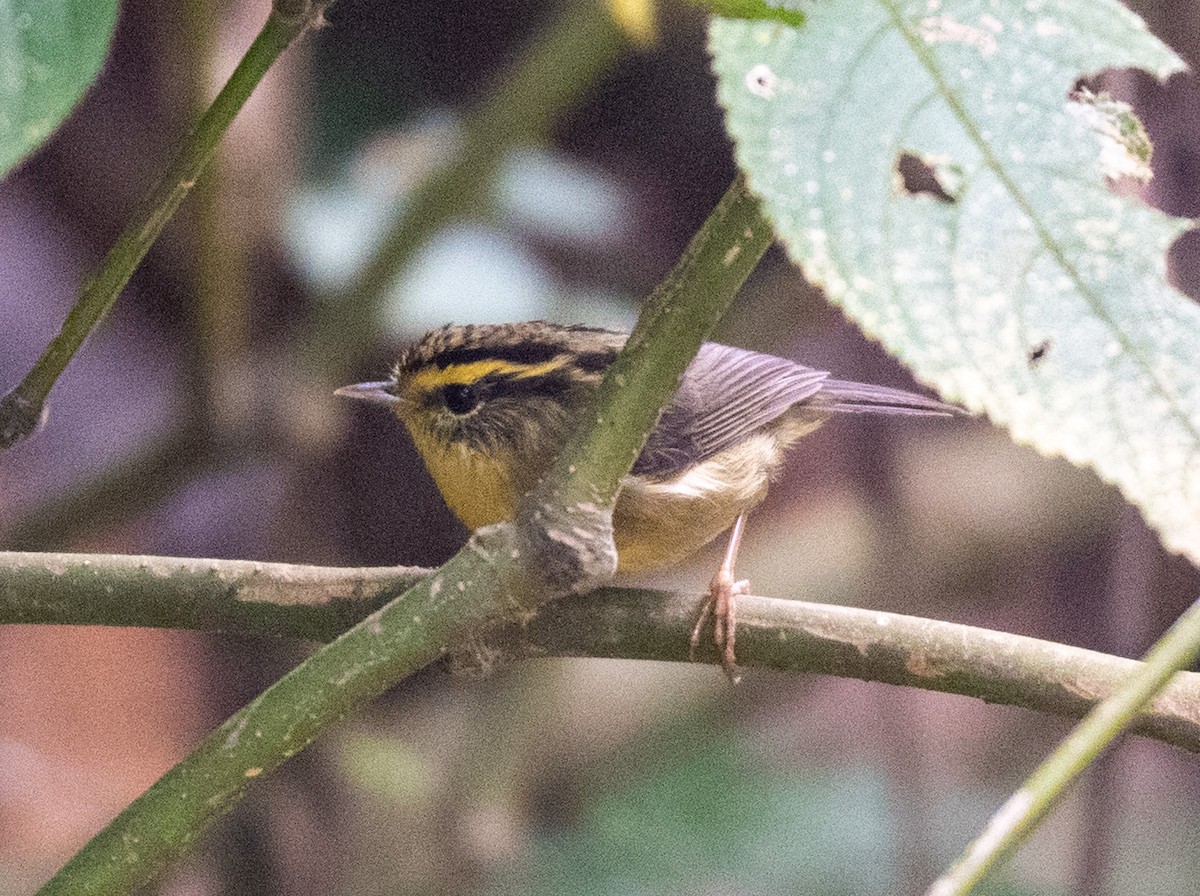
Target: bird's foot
[720, 606]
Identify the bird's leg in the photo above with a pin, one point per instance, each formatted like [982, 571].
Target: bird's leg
[720, 605]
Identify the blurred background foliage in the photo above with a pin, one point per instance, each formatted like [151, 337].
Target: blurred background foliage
[199, 422]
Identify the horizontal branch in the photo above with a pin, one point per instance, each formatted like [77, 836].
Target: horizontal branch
[318, 603]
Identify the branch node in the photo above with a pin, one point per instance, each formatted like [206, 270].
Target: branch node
[20, 416]
[476, 659]
[565, 549]
[311, 12]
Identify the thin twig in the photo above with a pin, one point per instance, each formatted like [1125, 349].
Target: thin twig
[1025, 809]
[23, 407]
[550, 77]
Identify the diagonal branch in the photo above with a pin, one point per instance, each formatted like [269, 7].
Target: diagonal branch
[22, 408]
[566, 58]
[504, 571]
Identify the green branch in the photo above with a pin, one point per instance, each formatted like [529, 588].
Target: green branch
[504, 571]
[271, 599]
[23, 407]
[395, 641]
[677, 318]
[1025, 809]
[753, 10]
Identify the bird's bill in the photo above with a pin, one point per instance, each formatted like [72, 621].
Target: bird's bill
[375, 393]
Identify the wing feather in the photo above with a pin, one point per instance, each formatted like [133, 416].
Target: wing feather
[726, 394]
[863, 398]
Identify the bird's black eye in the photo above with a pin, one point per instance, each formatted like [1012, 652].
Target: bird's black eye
[460, 398]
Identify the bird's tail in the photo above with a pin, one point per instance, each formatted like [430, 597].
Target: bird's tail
[845, 397]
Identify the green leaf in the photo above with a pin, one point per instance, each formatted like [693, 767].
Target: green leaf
[49, 54]
[1014, 279]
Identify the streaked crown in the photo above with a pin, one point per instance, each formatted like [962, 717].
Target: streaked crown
[511, 387]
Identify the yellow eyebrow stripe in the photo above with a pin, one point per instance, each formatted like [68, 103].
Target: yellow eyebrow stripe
[465, 374]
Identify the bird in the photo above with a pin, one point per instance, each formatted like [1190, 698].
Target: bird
[488, 406]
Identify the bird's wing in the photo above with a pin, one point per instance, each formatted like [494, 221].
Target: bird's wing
[725, 394]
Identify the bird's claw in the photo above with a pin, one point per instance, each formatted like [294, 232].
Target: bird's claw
[721, 607]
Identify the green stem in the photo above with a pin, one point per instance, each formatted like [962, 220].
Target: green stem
[231, 596]
[22, 408]
[565, 524]
[221, 291]
[391, 643]
[677, 318]
[752, 10]
[486, 582]
[1026, 808]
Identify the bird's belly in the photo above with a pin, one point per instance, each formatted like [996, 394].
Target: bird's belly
[660, 523]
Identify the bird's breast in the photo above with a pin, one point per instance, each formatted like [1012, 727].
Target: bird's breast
[656, 522]
[478, 487]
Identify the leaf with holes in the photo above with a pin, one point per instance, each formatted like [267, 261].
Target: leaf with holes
[935, 167]
[49, 54]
